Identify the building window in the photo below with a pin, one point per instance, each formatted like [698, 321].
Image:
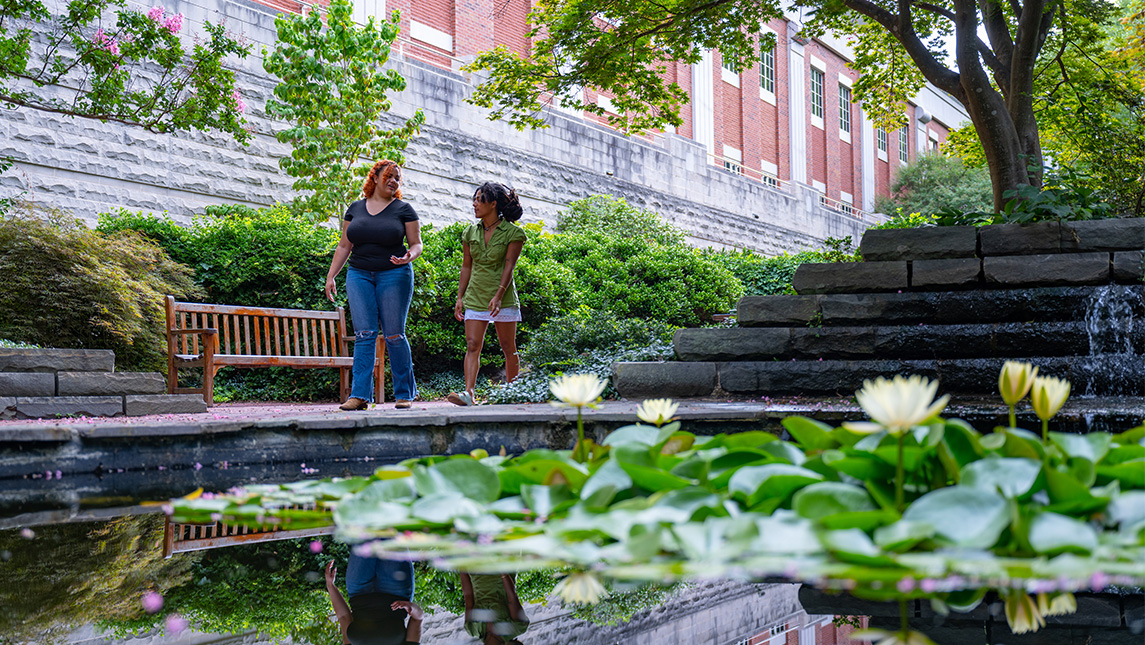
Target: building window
[733, 166]
[904, 144]
[844, 108]
[816, 93]
[767, 69]
[881, 135]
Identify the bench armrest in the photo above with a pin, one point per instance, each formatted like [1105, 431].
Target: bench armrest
[208, 331]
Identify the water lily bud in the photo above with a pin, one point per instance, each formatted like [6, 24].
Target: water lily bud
[897, 405]
[1014, 380]
[656, 411]
[1048, 395]
[577, 390]
[1022, 613]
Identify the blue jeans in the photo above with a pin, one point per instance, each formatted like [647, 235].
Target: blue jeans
[375, 575]
[379, 300]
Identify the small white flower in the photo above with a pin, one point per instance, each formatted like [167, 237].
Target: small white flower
[1048, 396]
[897, 405]
[1014, 381]
[582, 588]
[656, 411]
[577, 390]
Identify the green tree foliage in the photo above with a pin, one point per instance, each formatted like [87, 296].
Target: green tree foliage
[333, 90]
[765, 276]
[133, 69]
[612, 216]
[1090, 106]
[934, 182]
[68, 286]
[620, 49]
[70, 575]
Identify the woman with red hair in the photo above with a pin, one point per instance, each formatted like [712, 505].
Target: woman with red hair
[379, 282]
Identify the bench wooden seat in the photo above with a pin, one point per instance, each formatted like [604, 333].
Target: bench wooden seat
[210, 337]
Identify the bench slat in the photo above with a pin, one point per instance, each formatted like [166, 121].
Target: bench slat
[255, 311]
[257, 360]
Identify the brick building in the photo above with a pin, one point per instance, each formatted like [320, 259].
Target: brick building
[788, 118]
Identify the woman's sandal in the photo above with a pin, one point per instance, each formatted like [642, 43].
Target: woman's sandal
[464, 398]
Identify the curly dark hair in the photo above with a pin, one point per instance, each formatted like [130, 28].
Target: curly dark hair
[508, 206]
[381, 171]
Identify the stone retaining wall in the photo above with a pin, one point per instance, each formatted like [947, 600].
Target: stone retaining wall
[89, 167]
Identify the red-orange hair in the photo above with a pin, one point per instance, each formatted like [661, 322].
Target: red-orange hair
[383, 169]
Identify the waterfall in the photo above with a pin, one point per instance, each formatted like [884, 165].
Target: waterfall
[1111, 315]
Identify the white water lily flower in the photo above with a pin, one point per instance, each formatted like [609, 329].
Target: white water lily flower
[583, 588]
[1014, 380]
[1022, 613]
[577, 390]
[897, 405]
[1048, 396]
[657, 411]
[1056, 604]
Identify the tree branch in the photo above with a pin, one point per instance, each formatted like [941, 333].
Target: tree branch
[903, 31]
[994, 21]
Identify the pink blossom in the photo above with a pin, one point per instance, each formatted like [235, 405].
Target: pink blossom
[906, 585]
[152, 602]
[316, 546]
[174, 23]
[176, 624]
[156, 13]
[27, 534]
[240, 107]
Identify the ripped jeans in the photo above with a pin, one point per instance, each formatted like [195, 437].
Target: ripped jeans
[379, 301]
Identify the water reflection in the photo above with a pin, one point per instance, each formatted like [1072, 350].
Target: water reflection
[128, 577]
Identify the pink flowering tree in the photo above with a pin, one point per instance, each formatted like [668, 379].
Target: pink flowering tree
[138, 68]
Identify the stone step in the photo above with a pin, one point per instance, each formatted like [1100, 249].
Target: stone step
[1047, 304]
[54, 407]
[1009, 340]
[16, 359]
[81, 383]
[1003, 239]
[1102, 375]
[109, 383]
[1010, 271]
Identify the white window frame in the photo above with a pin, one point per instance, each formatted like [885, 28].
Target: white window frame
[764, 93]
[904, 145]
[430, 35]
[770, 174]
[881, 141]
[728, 75]
[820, 74]
[845, 112]
[365, 9]
[733, 159]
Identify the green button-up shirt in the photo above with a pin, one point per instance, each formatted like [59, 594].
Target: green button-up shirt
[489, 264]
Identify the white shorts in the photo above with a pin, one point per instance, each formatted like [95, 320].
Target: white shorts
[508, 314]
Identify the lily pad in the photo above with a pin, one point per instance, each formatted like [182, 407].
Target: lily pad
[809, 433]
[903, 534]
[1011, 477]
[1052, 534]
[829, 498]
[604, 484]
[961, 515]
[756, 483]
[464, 476]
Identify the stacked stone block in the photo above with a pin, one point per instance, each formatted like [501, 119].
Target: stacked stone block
[54, 383]
[949, 303]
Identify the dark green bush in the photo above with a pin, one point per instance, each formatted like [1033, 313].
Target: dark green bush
[614, 217]
[68, 286]
[563, 340]
[764, 276]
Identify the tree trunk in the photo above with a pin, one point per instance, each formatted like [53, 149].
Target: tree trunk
[1010, 151]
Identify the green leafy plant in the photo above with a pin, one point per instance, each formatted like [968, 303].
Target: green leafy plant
[334, 91]
[922, 507]
[763, 276]
[607, 215]
[907, 220]
[68, 286]
[934, 182]
[132, 69]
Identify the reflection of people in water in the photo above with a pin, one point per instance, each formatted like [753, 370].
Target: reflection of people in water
[381, 596]
[493, 614]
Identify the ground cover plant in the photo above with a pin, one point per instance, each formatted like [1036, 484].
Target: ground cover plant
[907, 505]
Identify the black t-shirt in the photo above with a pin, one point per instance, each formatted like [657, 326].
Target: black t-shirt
[377, 237]
[375, 623]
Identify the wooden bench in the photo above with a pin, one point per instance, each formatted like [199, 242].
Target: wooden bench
[181, 538]
[213, 336]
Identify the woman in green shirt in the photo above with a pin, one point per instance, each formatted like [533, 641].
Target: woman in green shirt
[486, 292]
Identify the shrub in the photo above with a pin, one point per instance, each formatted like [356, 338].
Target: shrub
[764, 276]
[68, 286]
[565, 339]
[907, 220]
[614, 217]
[932, 183]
